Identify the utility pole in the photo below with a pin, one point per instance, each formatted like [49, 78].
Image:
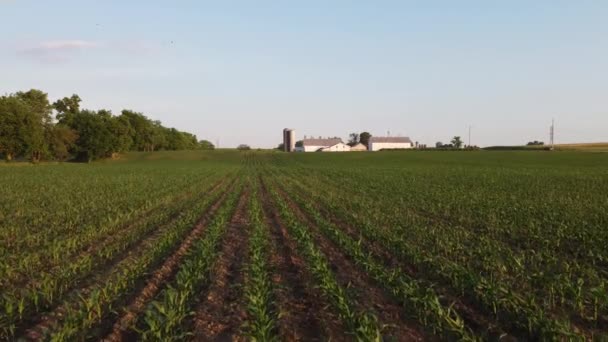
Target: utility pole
[552, 133]
[469, 135]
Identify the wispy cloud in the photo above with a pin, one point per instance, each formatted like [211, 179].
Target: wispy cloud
[60, 51]
[56, 51]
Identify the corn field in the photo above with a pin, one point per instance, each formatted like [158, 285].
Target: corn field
[270, 246]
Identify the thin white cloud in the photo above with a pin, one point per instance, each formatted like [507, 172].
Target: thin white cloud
[55, 51]
[67, 44]
[59, 51]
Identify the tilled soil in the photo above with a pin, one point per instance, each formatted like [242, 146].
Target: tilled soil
[160, 277]
[396, 325]
[221, 312]
[474, 318]
[39, 329]
[303, 315]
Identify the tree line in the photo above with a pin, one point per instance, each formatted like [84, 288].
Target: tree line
[33, 128]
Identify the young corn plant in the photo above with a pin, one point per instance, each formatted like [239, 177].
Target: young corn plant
[261, 323]
[363, 326]
[165, 318]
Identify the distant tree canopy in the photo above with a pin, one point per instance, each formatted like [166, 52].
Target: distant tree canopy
[280, 146]
[535, 143]
[353, 139]
[206, 145]
[439, 144]
[243, 147]
[27, 130]
[457, 142]
[364, 138]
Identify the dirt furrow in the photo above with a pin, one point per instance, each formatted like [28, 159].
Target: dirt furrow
[474, 318]
[220, 314]
[362, 288]
[303, 314]
[121, 330]
[39, 329]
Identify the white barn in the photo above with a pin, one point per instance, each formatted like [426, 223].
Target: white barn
[339, 147]
[386, 143]
[358, 147]
[314, 145]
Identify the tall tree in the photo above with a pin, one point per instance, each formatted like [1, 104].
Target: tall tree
[12, 115]
[61, 141]
[457, 142]
[353, 139]
[122, 134]
[364, 138]
[94, 135]
[37, 121]
[66, 109]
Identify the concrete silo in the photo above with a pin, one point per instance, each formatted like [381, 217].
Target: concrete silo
[289, 140]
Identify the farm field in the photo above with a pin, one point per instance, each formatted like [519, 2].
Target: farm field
[403, 246]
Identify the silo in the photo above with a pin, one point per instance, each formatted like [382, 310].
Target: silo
[289, 141]
[292, 140]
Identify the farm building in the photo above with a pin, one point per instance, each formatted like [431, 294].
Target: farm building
[314, 145]
[358, 147]
[386, 143]
[339, 147]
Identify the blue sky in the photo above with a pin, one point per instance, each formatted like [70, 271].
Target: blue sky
[241, 71]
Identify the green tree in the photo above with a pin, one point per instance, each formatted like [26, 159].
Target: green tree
[12, 114]
[25, 118]
[206, 145]
[353, 139]
[61, 141]
[37, 122]
[457, 142]
[142, 129]
[364, 138]
[243, 147]
[66, 109]
[122, 134]
[95, 139]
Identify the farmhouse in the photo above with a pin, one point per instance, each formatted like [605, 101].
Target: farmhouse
[314, 145]
[386, 143]
[358, 147]
[339, 147]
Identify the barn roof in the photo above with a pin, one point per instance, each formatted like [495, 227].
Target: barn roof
[358, 145]
[321, 142]
[390, 140]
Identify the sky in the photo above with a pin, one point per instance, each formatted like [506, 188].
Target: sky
[240, 71]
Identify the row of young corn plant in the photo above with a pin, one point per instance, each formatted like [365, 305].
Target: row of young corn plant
[510, 308]
[416, 296]
[80, 201]
[166, 317]
[86, 308]
[486, 262]
[361, 325]
[261, 323]
[64, 247]
[551, 257]
[508, 199]
[107, 244]
[49, 287]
